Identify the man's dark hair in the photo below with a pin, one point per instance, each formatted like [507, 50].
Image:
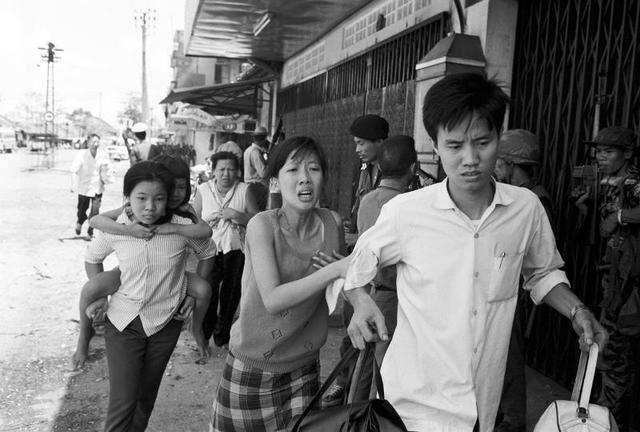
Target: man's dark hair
[397, 154]
[458, 96]
[91, 135]
[140, 135]
[224, 155]
[299, 147]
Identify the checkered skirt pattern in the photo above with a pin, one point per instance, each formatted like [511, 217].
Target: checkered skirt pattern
[252, 400]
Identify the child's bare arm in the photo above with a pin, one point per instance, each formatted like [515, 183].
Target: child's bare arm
[106, 222]
[199, 230]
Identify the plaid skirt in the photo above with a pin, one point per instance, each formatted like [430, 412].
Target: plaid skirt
[252, 400]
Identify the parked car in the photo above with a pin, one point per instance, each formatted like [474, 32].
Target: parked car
[7, 140]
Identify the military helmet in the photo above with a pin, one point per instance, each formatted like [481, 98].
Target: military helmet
[520, 147]
[616, 136]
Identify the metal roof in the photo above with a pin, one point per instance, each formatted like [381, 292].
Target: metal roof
[239, 97]
[225, 28]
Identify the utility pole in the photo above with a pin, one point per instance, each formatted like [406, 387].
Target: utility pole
[50, 102]
[145, 19]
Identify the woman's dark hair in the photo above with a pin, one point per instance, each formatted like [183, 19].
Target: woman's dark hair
[179, 169]
[224, 155]
[148, 171]
[455, 97]
[299, 146]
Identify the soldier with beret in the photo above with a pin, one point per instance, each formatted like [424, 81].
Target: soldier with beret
[369, 131]
[619, 215]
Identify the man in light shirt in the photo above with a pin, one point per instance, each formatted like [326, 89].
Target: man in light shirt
[89, 174]
[459, 247]
[255, 164]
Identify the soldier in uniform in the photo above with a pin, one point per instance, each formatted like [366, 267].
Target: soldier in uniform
[619, 213]
[369, 131]
[517, 164]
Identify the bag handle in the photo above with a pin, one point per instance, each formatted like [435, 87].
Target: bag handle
[356, 378]
[357, 373]
[590, 372]
[577, 383]
[344, 362]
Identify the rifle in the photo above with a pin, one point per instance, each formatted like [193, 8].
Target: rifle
[277, 135]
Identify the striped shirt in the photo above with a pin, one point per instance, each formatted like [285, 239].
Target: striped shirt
[152, 281]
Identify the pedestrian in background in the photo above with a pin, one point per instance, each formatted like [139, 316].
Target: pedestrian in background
[90, 172]
[223, 202]
[255, 163]
[141, 146]
[272, 369]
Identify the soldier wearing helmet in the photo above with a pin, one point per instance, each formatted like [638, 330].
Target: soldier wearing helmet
[619, 216]
[517, 164]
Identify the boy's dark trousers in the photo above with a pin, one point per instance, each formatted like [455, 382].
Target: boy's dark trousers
[136, 366]
[225, 281]
[83, 205]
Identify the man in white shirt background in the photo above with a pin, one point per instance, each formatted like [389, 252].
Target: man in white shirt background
[460, 247]
[255, 164]
[90, 171]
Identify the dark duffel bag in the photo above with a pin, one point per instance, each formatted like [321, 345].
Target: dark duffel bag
[374, 415]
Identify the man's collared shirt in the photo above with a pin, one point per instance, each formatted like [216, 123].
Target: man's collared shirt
[254, 164]
[457, 289]
[92, 173]
[152, 281]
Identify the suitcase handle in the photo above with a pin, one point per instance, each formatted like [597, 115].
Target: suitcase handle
[584, 376]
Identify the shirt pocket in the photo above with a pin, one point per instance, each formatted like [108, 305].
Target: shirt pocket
[506, 267]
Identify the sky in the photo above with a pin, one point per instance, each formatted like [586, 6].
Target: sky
[101, 62]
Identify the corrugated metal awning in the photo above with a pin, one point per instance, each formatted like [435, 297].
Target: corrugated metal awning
[224, 28]
[240, 97]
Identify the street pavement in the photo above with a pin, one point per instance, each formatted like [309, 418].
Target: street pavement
[41, 271]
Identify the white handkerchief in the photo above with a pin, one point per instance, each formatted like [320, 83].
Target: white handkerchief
[362, 269]
[332, 293]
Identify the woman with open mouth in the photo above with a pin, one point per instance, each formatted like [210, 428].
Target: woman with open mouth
[272, 369]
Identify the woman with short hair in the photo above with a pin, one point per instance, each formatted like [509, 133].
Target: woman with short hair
[223, 202]
[272, 369]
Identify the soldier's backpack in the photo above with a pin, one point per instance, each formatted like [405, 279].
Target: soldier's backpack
[577, 414]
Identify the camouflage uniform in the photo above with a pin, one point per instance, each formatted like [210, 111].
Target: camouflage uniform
[620, 282]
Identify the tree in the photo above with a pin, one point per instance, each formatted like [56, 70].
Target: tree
[132, 112]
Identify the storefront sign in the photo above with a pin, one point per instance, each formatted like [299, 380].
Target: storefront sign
[193, 113]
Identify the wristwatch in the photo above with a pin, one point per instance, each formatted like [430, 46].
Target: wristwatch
[577, 308]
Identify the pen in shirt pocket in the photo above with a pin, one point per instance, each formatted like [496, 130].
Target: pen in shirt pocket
[501, 256]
